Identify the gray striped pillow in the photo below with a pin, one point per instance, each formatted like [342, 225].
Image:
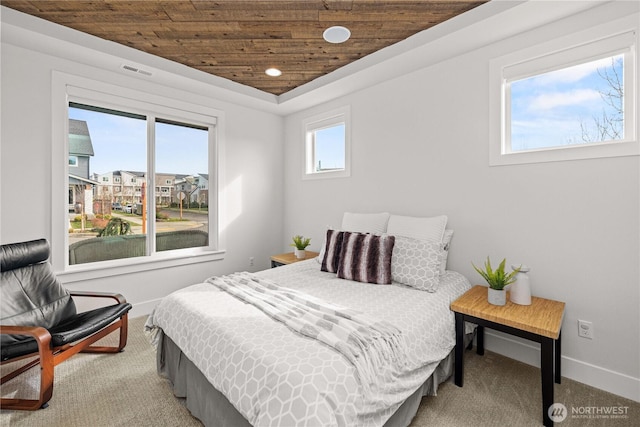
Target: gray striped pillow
[332, 251]
[366, 258]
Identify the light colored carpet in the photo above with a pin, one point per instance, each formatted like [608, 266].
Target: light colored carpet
[125, 390]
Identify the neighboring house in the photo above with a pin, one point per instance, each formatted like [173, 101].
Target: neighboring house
[126, 187]
[201, 195]
[80, 152]
[164, 185]
[194, 187]
[183, 188]
[132, 186]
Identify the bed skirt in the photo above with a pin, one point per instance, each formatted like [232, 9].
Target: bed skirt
[212, 408]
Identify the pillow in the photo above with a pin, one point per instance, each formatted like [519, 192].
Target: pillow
[416, 263]
[332, 251]
[366, 258]
[446, 244]
[418, 228]
[365, 223]
[323, 247]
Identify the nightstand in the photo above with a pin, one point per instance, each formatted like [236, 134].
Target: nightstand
[289, 258]
[540, 322]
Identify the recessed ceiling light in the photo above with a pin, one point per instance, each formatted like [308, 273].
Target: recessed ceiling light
[336, 34]
[273, 72]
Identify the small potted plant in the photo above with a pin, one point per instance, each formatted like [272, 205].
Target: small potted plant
[497, 280]
[300, 243]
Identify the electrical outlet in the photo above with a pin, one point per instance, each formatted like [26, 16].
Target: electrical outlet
[585, 329]
[251, 261]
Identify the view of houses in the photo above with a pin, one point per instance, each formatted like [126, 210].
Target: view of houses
[94, 193]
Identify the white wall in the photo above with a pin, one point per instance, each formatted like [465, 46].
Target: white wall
[252, 164]
[420, 147]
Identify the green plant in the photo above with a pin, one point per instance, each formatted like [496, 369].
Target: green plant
[300, 242]
[497, 279]
[162, 216]
[116, 227]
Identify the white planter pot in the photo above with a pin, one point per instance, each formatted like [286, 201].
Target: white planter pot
[300, 253]
[497, 297]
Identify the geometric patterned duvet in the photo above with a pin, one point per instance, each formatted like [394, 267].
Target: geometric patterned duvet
[274, 376]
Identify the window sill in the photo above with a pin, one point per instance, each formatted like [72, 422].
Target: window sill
[327, 175]
[559, 154]
[81, 272]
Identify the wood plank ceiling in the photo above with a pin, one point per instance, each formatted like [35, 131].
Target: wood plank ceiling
[239, 40]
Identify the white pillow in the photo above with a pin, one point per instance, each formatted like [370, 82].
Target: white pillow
[446, 244]
[418, 228]
[365, 223]
[416, 263]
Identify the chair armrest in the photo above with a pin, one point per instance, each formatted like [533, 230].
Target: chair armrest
[41, 335]
[91, 294]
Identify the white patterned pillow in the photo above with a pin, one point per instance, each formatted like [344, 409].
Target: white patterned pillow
[416, 263]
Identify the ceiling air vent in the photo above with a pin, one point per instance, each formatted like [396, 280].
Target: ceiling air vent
[136, 70]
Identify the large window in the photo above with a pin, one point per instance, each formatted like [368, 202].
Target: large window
[107, 224]
[575, 103]
[122, 209]
[327, 147]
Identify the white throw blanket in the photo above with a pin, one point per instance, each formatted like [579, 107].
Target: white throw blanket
[375, 348]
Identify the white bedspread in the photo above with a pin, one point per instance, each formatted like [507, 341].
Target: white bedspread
[274, 376]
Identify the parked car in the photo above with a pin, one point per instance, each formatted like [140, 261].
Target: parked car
[127, 208]
[116, 206]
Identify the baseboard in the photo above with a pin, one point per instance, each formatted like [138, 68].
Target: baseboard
[577, 370]
[143, 308]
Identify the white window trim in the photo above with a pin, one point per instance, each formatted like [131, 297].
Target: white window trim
[601, 37]
[66, 86]
[319, 121]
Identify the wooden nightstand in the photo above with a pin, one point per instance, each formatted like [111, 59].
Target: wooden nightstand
[289, 258]
[541, 322]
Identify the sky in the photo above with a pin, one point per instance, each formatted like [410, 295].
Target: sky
[329, 146]
[548, 109]
[119, 143]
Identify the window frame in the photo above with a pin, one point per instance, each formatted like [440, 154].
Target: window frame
[323, 121]
[66, 88]
[558, 54]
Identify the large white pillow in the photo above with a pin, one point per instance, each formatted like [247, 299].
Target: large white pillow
[446, 245]
[375, 223]
[430, 228]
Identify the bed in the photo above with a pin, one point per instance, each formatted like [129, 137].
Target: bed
[237, 366]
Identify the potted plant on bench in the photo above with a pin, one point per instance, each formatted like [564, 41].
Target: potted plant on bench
[497, 280]
[300, 243]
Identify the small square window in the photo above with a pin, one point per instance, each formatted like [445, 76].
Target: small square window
[327, 145]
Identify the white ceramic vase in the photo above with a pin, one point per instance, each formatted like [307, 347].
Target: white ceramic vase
[497, 297]
[520, 291]
[299, 253]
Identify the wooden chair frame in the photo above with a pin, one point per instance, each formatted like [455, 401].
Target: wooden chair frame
[49, 358]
